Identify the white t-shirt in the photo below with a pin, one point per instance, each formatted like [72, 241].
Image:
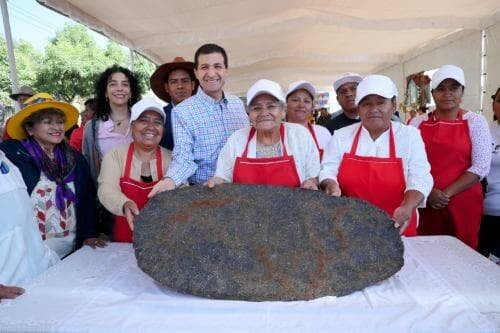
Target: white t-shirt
[23, 255]
[409, 147]
[298, 142]
[492, 198]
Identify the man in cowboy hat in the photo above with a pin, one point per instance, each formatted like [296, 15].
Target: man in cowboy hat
[20, 96]
[173, 82]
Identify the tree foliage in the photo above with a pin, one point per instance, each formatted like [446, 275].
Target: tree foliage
[69, 66]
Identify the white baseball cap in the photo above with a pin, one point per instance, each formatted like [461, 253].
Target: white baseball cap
[146, 104]
[379, 85]
[448, 72]
[306, 85]
[264, 86]
[345, 78]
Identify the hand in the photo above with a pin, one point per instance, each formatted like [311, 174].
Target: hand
[401, 218]
[331, 187]
[166, 184]
[130, 210]
[10, 292]
[214, 181]
[93, 242]
[310, 184]
[438, 199]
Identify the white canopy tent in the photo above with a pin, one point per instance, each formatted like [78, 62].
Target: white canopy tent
[316, 40]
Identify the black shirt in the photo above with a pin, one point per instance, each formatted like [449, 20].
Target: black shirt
[340, 121]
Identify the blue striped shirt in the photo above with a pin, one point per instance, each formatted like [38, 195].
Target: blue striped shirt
[201, 127]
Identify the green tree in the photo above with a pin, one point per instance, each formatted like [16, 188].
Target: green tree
[27, 63]
[72, 61]
[144, 69]
[5, 85]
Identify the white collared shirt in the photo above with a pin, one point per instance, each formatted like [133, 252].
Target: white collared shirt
[298, 141]
[409, 147]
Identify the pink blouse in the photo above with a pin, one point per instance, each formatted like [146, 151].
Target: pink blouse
[108, 139]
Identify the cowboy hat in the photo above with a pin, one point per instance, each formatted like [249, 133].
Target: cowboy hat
[160, 76]
[24, 90]
[35, 103]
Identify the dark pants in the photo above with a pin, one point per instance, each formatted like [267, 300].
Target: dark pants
[489, 236]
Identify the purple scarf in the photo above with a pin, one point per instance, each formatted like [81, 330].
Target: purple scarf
[60, 170]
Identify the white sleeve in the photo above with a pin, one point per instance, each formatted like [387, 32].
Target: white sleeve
[331, 160]
[481, 145]
[311, 157]
[419, 176]
[227, 157]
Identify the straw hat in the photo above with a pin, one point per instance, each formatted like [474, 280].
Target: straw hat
[35, 103]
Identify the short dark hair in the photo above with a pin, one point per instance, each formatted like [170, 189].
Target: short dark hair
[102, 108]
[207, 49]
[90, 103]
[38, 116]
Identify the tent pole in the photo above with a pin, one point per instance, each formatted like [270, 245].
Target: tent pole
[131, 53]
[10, 48]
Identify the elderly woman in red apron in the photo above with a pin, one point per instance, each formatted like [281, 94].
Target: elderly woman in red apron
[458, 145]
[378, 160]
[129, 172]
[299, 107]
[269, 152]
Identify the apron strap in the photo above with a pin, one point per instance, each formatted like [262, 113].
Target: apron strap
[252, 133]
[128, 162]
[392, 145]
[159, 164]
[313, 133]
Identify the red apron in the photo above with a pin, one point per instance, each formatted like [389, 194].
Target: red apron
[134, 190]
[378, 180]
[449, 148]
[277, 171]
[313, 133]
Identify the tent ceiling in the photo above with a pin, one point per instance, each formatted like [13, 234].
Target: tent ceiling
[284, 40]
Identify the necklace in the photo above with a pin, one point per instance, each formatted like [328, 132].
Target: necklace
[119, 121]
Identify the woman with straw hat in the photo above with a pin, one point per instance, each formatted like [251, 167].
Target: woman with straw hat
[56, 175]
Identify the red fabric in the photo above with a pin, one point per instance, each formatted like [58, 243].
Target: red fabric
[76, 139]
[277, 171]
[449, 147]
[311, 130]
[378, 180]
[134, 190]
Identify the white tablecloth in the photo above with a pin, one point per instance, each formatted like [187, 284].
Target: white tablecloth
[443, 287]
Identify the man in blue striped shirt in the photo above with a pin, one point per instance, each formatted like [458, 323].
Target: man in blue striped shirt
[203, 122]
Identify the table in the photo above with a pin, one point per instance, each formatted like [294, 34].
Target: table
[443, 286]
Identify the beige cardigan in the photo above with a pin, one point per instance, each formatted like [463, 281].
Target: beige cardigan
[112, 169]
